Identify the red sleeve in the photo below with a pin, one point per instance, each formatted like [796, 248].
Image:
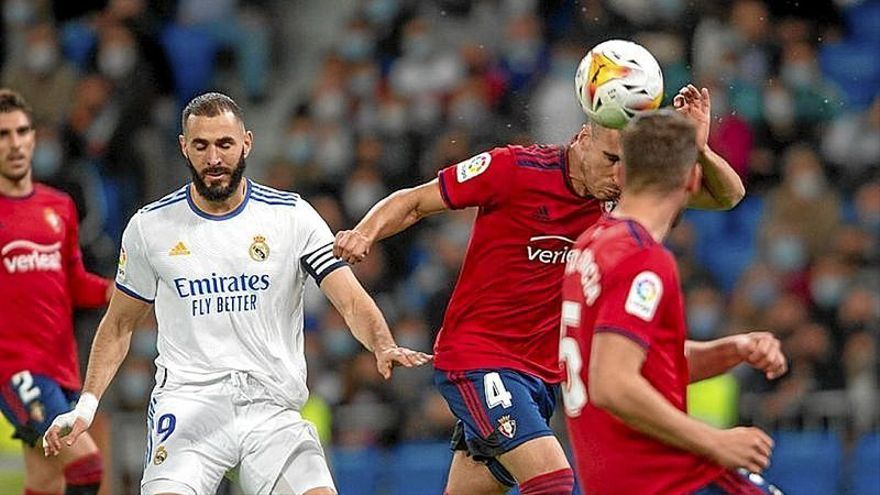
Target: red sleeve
[632, 301]
[87, 290]
[482, 180]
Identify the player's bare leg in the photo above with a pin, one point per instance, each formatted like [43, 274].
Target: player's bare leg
[321, 491]
[541, 461]
[469, 477]
[46, 474]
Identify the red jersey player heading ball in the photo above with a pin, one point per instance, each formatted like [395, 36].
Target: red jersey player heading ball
[496, 356]
[624, 340]
[42, 279]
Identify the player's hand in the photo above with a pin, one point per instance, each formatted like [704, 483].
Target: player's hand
[762, 351]
[696, 106]
[351, 246]
[393, 356]
[743, 447]
[70, 425]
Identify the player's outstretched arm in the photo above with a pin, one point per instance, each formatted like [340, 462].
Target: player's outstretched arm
[617, 385]
[761, 350]
[108, 351]
[393, 214]
[722, 188]
[366, 322]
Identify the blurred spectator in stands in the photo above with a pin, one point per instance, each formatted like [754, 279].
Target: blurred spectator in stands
[555, 112]
[240, 28]
[860, 307]
[43, 77]
[804, 204]
[367, 415]
[757, 290]
[430, 418]
[830, 277]
[524, 59]
[705, 313]
[814, 100]
[861, 363]
[363, 188]
[852, 143]
[145, 18]
[867, 205]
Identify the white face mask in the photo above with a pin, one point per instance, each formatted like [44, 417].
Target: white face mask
[116, 61]
[808, 185]
[41, 58]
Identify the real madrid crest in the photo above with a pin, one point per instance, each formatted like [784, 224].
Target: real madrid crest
[161, 455]
[259, 250]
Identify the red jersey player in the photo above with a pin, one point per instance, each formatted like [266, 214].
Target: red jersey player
[496, 355]
[623, 341]
[42, 279]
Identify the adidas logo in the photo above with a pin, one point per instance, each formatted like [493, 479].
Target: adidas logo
[179, 249]
[542, 214]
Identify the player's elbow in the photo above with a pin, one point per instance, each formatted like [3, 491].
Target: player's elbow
[605, 391]
[732, 197]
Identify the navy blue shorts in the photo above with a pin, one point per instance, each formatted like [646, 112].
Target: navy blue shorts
[737, 483]
[497, 410]
[31, 402]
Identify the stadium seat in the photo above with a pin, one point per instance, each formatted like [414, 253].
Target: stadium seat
[419, 468]
[866, 466]
[356, 471]
[806, 463]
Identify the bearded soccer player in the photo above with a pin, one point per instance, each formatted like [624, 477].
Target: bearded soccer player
[225, 261]
[42, 279]
[624, 341]
[496, 356]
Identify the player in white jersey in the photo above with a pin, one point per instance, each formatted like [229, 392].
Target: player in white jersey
[224, 261]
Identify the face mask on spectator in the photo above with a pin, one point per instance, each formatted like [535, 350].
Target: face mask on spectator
[807, 185]
[381, 12]
[338, 343]
[778, 107]
[134, 387]
[418, 46]
[762, 293]
[392, 119]
[47, 159]
[798, 75]
[360, 196]
[356, 45]
[523, 53]
[788, 254]
[468, 111]
[18, 12]
[300, 148]
[414, 340]
[827, 290]
[143, 344]
[41, 58]
[702, 321]
[116, 61]
[329, 106]
[363, 83]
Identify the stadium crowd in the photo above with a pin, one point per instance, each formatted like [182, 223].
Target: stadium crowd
[409, 87]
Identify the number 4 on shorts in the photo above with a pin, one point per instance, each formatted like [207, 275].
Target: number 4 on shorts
[496, 394]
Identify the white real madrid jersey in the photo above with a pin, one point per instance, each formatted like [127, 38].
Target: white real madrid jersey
[228, 289]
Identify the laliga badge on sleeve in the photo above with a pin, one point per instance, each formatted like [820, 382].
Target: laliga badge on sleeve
[473, 167]
[644, 295]
[120, 269]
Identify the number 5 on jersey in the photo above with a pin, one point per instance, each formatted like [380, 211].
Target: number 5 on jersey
[574, 392]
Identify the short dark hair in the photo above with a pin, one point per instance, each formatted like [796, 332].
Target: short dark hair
[210, 105]
[10, 101]
[659, 147]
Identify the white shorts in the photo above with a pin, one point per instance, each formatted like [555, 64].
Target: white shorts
[196, 433]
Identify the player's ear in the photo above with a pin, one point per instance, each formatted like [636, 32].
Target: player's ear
[248, 142]
[694, 179]
[182, 141]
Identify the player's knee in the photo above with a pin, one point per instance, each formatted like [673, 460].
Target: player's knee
[560, 482]
[83, 475]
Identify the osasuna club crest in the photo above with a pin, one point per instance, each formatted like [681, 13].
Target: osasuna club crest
[507, 426]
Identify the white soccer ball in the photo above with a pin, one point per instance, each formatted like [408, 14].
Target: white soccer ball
[616, 80]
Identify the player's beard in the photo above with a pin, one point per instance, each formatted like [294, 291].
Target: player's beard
[217, 193]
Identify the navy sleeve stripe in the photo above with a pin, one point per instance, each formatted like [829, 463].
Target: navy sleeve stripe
[266, 191]
[625, 333]
[273, 202]
[444, 193]
[125, 290]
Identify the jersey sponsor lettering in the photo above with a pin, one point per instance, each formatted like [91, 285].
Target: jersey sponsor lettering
[22, 256]
[549, 249]
[222, 293]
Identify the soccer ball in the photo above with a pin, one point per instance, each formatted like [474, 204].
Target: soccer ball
[616, 80]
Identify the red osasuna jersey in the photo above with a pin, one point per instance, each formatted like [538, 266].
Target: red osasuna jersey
[42, 279]
[620, 280]
[504, 311]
